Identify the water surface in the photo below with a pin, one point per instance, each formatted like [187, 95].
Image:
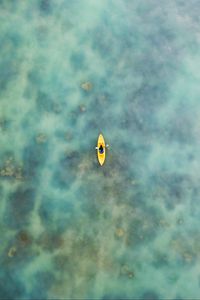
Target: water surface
[69, 228]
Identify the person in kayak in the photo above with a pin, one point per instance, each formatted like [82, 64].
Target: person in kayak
[101, 150]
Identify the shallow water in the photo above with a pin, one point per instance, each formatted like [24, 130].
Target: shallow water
[69, 228]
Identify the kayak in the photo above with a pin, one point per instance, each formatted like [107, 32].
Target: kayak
[101, 156]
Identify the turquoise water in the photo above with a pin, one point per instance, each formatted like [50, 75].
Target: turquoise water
[70, 229]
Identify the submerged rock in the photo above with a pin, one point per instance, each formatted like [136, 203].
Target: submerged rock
[10, 169]
[180, 221]
[82, 108]
[24, 238]
[119, 232]
[12, 251]
[86, 86]
[41, 138]
[126, 271]
[131, 274]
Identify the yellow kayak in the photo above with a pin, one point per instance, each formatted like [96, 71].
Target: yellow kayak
[101, 149]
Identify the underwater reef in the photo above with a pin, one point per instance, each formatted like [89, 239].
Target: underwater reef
[70, 229]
